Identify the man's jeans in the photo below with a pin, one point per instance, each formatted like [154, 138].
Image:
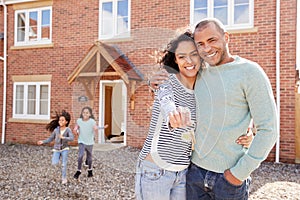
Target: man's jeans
[155, 183]
[204, 184]
[64, 156]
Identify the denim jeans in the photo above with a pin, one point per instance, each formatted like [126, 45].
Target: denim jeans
[89, 155]
[204, 184]
[153, 182]
[55, 160]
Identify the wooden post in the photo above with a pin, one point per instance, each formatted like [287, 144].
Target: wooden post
[297, 126]
[132, 94]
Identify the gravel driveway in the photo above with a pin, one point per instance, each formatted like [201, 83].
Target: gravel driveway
[26, 173]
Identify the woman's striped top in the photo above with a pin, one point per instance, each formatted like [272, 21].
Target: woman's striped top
[170, 149]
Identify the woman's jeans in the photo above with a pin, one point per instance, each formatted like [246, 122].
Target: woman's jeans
[55, 160]
[204, 184]
[155, 183]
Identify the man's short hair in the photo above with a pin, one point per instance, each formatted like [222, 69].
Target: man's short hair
[205, 22]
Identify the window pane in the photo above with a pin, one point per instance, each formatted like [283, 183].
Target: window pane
[221, 14]
[241, 14]
[44, 92]
[33, 25]
[45, 17]
[122, 18]
[31, 100]
[241, 11]
[43, 108]
[222, 3]
[241, 1]
[200, 10]
[44, 100]
[107, 19]
[46, 24]
[122, 25]
[220, 10]
[31, 92]
[20, 92]
[19, 99]
[21, 27]
[200, 4]
[199, 14]
[123, 8]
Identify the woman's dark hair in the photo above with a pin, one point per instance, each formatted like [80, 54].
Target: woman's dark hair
[54, 123]
[90, 111]
[168, 58]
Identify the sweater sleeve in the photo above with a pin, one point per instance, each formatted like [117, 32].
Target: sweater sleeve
[49, 139]
[262, 107]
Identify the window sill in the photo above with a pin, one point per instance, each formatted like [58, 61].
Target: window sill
[116, 39]
[247, 30]
[34, 46]
[33, 121]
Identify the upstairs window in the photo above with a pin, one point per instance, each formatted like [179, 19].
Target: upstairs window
[234, 14]
[33, 26]
[114, 19]
[31, 100]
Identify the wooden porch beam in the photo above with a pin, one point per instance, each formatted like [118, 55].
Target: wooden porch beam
[91, 74]
[113, 63]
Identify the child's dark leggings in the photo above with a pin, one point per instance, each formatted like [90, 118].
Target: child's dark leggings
[89, 150]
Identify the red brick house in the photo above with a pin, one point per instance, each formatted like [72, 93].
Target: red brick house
[68, 54]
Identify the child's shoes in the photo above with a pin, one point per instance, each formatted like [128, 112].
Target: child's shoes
[90, 173]
[64, 181]
[76, 175]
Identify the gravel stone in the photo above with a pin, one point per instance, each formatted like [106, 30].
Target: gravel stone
[26, 173]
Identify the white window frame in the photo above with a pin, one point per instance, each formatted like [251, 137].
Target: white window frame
[114, 34]
[39, 40]
[230, 16]
[25, 103]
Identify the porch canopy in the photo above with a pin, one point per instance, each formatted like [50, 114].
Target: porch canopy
[103, 60]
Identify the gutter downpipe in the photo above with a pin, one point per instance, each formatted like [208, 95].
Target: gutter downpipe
[4, 58]
[278, 76]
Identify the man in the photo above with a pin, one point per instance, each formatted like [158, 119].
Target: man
[229, 91]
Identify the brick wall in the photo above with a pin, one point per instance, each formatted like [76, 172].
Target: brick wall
[75, 29]
[260, 47]
[287, 80]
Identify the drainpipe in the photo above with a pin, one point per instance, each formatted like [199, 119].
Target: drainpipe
[4, 58]
[278, 76]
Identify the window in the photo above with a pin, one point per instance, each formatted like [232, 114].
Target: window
[234, 14]
[31, 100]
[33, 26]
[114, 19]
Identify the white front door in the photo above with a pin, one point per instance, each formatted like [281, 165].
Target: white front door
[112, 110]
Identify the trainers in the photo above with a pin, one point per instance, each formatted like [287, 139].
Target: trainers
[64, 181]
[76, 175]
[90, 173]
